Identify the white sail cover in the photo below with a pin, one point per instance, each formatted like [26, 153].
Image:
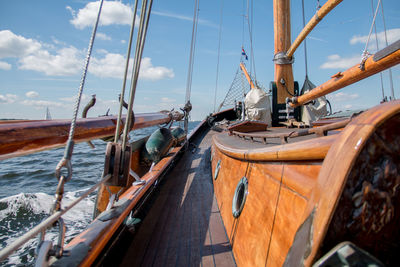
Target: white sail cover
[316, 109]
[257, 106]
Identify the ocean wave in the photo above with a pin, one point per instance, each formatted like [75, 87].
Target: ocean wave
[21, 212]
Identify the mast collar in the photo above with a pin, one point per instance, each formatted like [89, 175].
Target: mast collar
[281, 58]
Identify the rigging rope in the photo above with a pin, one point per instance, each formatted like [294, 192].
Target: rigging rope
[377, 49]
[237, 91]
[250, 29]
[219, 52]
[140, 41]
[128, 54]
[66, 160]
[305, 39]
[365, 53]
[386, 41]
[191, 63]
[47, 222]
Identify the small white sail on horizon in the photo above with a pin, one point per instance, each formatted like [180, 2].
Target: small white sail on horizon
[48, 115]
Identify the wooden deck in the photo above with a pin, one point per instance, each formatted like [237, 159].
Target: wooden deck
[184, 225]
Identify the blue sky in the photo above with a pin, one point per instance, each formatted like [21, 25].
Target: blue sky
[43, 45]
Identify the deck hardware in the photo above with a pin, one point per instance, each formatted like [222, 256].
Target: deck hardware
[216, 172]
[239, 198]
[46, 249]
[117, 164]
[88, 106]
[137, 181]
[212, 155]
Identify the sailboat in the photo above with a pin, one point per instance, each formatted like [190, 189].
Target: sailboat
[246, 187]
[48, 115]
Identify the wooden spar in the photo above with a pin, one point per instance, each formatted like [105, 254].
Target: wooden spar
[350, 76]
[17, 139]
[321, 13]
[247, 75]
[282, 43]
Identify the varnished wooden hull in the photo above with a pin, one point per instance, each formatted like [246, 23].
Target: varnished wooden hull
[296, 190]
[293, 204]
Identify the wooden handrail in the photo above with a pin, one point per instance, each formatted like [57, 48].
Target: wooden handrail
[17, 139]
[350, 76]
[321, 13]
[247, 75]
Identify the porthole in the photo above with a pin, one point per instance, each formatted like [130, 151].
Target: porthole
[217, 169]
[239, 198]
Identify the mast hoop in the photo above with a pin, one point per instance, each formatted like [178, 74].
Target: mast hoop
[281, 58]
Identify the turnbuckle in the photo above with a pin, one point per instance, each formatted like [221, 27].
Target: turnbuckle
[46, 249]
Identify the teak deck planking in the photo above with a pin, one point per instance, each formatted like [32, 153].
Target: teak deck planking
[184, 225]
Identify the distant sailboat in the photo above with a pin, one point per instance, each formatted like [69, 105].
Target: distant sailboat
[48, 115]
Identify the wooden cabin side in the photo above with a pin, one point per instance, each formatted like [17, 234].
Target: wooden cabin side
[279, 188]
[293, 191]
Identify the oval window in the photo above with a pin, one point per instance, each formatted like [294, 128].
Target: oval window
[239, 198]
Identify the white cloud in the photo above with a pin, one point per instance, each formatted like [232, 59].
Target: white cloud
[84, 97]
[66, 62]
[149, 72]
[32, 94]
[113, 66]
[12, 45]
[113, 12]
[8, 98]
[167, 100]
[337, 62]
[348, 106]
[340, 96]
[33, 55]
[5, 66]
[183, 17]
[103, 36]
[392, 36]
[43, 103]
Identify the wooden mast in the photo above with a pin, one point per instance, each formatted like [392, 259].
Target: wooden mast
[282, 44]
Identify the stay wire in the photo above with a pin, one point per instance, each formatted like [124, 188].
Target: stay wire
[192, 51]
[141, 37]
[191, 62]
[250, 29]
[365, 52]
[377, 49]
[386, 42]
[219, 52]
[128, 54]
[305, 40]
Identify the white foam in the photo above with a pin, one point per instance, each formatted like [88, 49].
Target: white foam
[76, 220]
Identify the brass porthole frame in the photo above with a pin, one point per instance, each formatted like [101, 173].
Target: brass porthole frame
[239, 198]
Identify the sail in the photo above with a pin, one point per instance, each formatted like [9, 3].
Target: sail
[48, 115]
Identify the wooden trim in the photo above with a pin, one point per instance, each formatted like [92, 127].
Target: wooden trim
[350, 76]
[322, 12]
[332, 177]
[99, 233]
[17, 139]
[313, 149]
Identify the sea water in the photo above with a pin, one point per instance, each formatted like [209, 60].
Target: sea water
[27, 188]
